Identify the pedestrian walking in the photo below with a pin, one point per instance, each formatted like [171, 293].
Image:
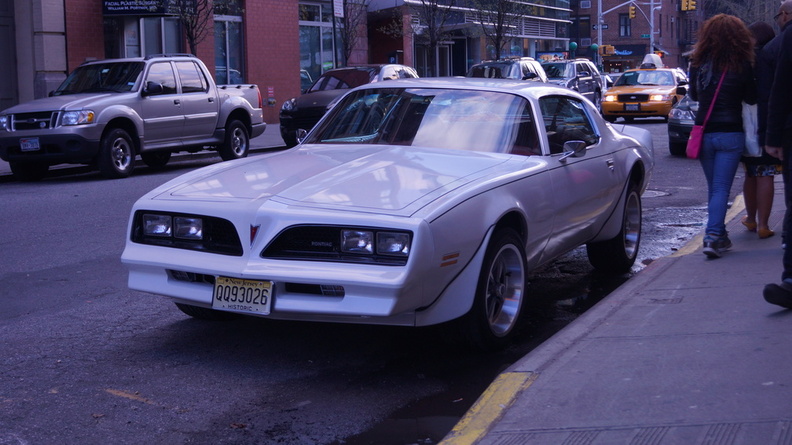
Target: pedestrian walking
[721, 79]
[778, 143]
[760, 172]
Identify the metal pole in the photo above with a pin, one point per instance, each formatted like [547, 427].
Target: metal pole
[651, 26]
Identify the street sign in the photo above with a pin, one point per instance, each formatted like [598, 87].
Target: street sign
[644, 36]
[604, 26]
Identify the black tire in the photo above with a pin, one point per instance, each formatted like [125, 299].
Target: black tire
[203, 313]
[237, 141]
[116, 154]
[677, 148]
[617, 255]
[628, 118]
[498, 305]
[28, 172]
[610, 119]
[289, 138]
[156, 159]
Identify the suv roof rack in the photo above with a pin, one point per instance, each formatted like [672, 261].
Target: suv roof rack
[151, 56]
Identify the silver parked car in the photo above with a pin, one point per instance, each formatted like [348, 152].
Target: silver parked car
[411, 203]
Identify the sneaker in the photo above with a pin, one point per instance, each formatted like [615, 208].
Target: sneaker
[714, 245]
[778, 294]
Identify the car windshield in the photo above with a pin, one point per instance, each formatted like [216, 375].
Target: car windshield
[493, 71]
[443, 118]
[112, 76]
[558, 70]
[344, 79]
[648, 78]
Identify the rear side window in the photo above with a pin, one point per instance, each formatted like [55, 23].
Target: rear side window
[192, 79]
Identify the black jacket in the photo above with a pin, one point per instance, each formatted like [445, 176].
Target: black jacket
[737, 88]
[779, 107]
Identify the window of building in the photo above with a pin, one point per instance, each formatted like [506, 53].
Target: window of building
[319, 51]
[625, 25]
[134, 36]
[229, 50]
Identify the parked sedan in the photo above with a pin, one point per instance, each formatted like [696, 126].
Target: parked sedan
[303, 112]
[411, 203]
[681, 119]
[645, 92]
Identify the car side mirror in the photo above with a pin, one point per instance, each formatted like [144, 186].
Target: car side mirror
[152, 88]
[681, 90]
[301, 134]
[573, 149]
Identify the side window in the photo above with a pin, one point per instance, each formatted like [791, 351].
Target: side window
[565, 119]
[582, 68]
[162, 73]
[191, 78]
[526, 142]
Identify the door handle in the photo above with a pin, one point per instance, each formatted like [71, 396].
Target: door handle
[610, 163]
[211, 99]
[176, 101]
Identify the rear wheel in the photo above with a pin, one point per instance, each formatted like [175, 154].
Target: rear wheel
[498, 303]
[156, 159]
[237, 141]
[203, 313]
[117, 154]
[617, 255]
[24, 171]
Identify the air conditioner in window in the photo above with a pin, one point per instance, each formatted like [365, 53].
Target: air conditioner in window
[585, 4]
[585, 42]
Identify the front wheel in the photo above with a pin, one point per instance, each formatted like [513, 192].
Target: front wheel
[498, 303]
[610, 119]
[617, 255]
[117, 154]
[677, 148]
[237, 141]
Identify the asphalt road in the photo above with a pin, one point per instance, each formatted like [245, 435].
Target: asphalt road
[85, 360]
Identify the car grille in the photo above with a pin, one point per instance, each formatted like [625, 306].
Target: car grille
[633, 97]
[33, 121]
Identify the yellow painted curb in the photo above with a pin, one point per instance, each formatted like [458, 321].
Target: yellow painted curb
[498, 397]
[693, 245]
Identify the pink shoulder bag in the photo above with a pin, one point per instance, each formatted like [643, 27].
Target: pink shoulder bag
[697, 133]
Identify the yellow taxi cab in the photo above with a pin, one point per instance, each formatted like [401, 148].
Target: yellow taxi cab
[644, 92]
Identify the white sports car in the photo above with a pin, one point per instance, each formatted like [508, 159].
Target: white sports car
[411, 203]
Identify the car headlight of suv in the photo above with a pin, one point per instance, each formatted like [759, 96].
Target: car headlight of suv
[5, 123]
[80, 117]
[288, 105]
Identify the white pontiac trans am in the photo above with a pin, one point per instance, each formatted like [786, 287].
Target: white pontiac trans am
[412, 202]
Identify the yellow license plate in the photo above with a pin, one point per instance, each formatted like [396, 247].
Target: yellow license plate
[238, 295]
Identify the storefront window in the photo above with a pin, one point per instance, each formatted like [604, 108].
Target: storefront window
[229, 50]
[316, 39]
[134, 36]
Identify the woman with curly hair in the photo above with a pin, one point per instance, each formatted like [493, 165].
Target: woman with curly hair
[722, 62]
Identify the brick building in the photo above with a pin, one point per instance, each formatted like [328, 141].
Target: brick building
[270, 42]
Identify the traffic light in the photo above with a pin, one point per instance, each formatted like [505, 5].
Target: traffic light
[632, 10]
[607, 50]
[691, 5]
[685, 5]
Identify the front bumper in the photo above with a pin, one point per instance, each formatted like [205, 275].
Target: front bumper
[636, 109]
[63, 147]
[679, 132]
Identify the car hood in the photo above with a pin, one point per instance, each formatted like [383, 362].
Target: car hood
[370, 178]
[65, 102]
[318, 98]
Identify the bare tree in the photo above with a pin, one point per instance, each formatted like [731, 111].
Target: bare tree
[353, 27]
[430, 31]
[498, 20]
[196, 18]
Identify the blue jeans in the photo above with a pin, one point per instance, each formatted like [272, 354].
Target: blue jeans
[720, 156]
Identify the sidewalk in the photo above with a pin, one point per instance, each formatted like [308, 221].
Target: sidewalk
[685, 352]
[271, 138]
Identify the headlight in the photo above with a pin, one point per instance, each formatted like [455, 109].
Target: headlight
[165, 226]
[681, 114]
[288, 105]
[77, 117]
[610, 98]
[368, 242]
[659, 98]
[4, 123]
